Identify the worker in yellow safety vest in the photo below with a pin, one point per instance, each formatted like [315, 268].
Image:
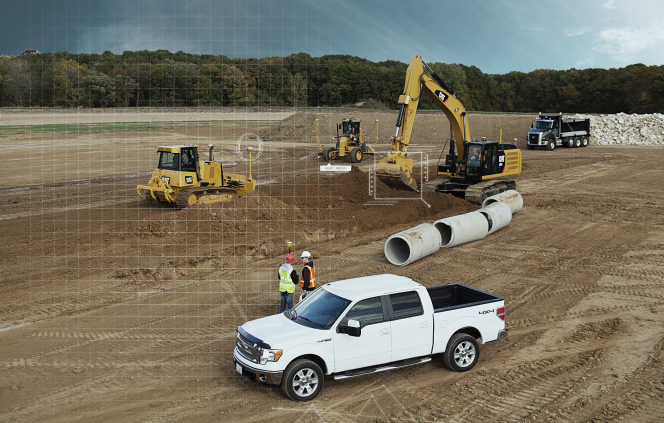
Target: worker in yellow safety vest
[308, 279]
[287, 280]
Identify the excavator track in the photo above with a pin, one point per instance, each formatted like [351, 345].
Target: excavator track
[432, 185]
[205, 195]
[477, 193]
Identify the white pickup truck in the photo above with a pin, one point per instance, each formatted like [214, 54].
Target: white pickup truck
[365, 325]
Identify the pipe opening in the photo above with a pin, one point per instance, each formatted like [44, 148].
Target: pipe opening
[490, 201]
[397, 250]
[445, 232]
[488, 218]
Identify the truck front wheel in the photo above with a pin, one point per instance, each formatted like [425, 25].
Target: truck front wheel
[462, 353]
[302, 380]
[551, 146]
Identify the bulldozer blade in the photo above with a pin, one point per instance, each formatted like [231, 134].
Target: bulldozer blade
[393, 176]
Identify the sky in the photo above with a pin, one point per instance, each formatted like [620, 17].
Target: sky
[497, 36]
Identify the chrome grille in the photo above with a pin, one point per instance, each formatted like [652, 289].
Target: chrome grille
[245, 347]
[534, 138]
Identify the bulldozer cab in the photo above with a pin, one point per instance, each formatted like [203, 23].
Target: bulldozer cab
[181, 159]
[483, 158]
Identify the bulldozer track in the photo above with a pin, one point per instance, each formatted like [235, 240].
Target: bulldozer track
[181, 201]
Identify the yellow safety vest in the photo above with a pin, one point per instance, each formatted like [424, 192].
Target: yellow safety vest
[285, 282]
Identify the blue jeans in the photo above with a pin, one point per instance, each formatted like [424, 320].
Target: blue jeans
[286, 301]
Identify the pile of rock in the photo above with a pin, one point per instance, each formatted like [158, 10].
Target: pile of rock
[626, 129]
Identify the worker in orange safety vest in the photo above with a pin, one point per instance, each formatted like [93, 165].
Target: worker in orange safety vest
[308, 279]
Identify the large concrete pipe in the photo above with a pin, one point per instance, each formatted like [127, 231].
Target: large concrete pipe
[412, 244]
[512, 198]
[498, 215]
[457, 230]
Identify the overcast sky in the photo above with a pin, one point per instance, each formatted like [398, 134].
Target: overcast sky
[497, 36]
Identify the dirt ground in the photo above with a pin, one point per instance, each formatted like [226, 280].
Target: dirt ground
[114, 310]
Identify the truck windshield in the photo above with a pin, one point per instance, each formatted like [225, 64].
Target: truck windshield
[321, 309]
[543, 124]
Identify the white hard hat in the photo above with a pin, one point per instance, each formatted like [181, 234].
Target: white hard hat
[306, 254]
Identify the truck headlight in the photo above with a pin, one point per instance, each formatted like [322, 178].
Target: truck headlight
[269, 355]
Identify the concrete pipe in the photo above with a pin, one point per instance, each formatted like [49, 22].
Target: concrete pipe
[461, 229]
[512, 198]
[412, 244]
[498, 215]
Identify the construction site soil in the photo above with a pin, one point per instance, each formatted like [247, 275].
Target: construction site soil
[114, 310]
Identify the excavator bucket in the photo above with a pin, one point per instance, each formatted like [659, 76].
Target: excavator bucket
[395, 176]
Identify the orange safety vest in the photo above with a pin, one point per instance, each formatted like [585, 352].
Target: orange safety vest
[312, 276]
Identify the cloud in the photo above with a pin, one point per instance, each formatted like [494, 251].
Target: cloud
[611, 4]
[576, 32]
[628, 44]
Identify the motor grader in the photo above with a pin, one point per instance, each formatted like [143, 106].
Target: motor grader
[182, 179]
[350, 142]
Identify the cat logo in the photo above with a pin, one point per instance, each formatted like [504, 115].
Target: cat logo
[501, 159]
[442, 96]
[188, 180]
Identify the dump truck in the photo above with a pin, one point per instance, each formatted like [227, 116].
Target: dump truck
[182, 179]
[555, 131]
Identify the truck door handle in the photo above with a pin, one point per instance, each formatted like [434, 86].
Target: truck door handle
[424, 324]
[384, 332]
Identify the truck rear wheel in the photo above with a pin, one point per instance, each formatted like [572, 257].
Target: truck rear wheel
[577, 142]
[584, 142]
[568, 142]
[302, 380]
[462, 352]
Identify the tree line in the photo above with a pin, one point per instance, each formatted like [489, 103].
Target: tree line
[164, 79]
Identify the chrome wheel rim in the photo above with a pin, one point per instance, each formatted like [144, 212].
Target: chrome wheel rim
[305, 382]
[464, 354]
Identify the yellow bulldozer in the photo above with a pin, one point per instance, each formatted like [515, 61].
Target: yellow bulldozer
[471, 168]
[182, 179]
[349, 143]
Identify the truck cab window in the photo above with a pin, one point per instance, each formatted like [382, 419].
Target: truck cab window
[170, 161]
[367, 312]
[406, 304]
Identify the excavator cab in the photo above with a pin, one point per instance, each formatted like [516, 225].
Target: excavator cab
[486, 158]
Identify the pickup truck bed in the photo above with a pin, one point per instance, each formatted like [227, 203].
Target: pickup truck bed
[451, 297]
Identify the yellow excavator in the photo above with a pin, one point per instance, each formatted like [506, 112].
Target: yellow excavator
[181, 179]
[471, 167]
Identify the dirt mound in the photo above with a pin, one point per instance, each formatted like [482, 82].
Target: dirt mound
[430, 128]
[257, 225]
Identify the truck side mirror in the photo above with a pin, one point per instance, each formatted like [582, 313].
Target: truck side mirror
[339, 126]
[531, 125]
[352, 328]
